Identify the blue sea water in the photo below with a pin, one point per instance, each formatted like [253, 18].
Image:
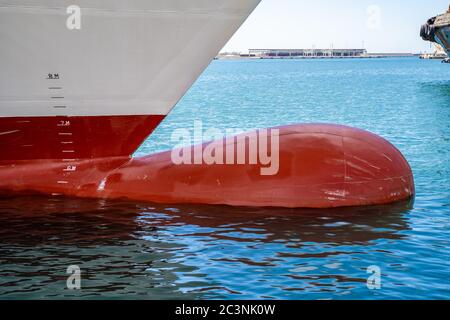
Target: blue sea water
[144, 251]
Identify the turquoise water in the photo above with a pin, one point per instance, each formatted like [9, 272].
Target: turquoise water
[135, 250]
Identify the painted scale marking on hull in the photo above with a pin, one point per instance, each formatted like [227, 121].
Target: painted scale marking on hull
[81, 137]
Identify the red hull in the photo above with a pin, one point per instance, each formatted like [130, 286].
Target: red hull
[320, 166]
[29, 138]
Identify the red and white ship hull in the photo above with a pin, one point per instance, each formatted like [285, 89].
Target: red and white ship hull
[82, 86]
[94, 80]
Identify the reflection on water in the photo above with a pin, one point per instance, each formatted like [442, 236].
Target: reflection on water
[133, 250]
[436, 89]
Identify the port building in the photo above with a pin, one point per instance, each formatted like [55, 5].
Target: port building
[310, 53]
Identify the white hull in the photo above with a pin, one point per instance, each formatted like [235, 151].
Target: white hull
[134, 57]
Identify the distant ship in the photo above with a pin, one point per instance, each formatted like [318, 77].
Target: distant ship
[439, 53]
[437, 29]
[94, 79]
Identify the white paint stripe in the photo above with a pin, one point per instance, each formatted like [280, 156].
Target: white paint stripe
[8, 132]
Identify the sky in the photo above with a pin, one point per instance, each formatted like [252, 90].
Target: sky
[376, 25]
